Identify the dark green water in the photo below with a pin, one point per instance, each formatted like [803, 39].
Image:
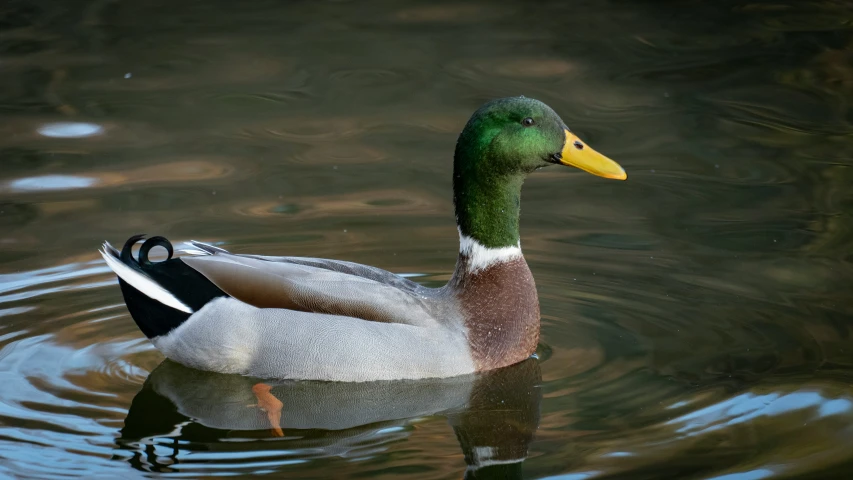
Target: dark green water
[696, 319]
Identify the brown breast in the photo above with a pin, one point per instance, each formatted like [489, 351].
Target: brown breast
[501, 311]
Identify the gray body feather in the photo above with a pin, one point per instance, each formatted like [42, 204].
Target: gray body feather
[304, 318]
[230, 336]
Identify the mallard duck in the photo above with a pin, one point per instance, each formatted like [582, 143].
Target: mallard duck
[311, 318]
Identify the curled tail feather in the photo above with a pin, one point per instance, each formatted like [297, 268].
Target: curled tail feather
[160, 295]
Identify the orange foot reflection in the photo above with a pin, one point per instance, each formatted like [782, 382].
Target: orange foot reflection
[268, 403]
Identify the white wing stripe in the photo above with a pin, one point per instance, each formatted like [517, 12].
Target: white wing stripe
[144, 284]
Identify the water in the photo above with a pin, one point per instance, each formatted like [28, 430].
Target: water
[695, 319]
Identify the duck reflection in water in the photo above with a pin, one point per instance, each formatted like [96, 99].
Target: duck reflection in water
[180, 411]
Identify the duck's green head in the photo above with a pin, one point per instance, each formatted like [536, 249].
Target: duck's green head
[502, 142]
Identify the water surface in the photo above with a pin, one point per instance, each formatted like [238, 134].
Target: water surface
[696, 319]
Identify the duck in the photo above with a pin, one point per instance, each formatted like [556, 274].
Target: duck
[304, 318]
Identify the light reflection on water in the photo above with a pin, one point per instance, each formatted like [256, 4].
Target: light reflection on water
[50, 182]
[70, 129]
[695, 318]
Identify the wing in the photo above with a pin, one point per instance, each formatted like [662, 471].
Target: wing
[350, 268]
[341, 266]
[319, 286]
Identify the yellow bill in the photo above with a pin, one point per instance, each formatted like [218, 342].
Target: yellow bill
[578, 154]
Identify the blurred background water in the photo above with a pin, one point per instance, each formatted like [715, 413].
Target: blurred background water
[696, 319]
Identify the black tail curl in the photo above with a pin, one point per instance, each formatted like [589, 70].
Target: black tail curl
[142, 256]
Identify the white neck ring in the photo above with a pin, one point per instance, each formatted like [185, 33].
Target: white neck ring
[480, 257]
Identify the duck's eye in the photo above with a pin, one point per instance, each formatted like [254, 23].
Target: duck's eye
[528, 122]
